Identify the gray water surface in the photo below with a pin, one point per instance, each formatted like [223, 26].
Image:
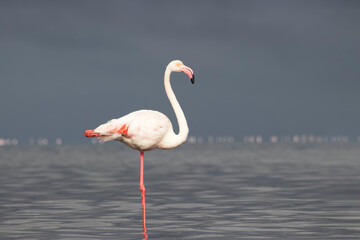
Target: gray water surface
[239, 191]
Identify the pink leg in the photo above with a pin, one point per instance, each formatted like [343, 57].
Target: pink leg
[142, 189]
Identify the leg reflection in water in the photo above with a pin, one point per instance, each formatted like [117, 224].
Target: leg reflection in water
[144, 214]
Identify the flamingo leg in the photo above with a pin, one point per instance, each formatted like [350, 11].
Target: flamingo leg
[142, 189]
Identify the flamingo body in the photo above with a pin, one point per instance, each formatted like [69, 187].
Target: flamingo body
[142, 130]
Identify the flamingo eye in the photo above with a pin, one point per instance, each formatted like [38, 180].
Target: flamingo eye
[178, 64]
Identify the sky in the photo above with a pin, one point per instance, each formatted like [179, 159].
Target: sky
[261, 67]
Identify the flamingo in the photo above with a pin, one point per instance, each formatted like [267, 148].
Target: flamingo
[145, 130]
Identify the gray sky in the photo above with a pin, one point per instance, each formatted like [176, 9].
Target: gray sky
[262, 67]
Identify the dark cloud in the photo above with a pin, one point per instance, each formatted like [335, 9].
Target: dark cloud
[262, 67]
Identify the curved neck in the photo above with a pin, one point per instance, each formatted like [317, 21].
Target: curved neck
[176, 139]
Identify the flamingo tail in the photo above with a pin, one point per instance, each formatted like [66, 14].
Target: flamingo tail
[91, 133]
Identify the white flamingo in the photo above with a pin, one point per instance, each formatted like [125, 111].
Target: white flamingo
[146, 130]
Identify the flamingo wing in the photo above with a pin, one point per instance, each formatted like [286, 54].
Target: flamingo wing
[112, 130]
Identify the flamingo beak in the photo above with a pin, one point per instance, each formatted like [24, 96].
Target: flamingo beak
[188, 71]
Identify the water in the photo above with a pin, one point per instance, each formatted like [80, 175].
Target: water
[274, 191]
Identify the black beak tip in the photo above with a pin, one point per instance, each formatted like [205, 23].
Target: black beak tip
[193, 79]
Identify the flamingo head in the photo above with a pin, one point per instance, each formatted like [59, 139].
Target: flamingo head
[178, 66]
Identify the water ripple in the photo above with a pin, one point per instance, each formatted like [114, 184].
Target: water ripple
[193, 192]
